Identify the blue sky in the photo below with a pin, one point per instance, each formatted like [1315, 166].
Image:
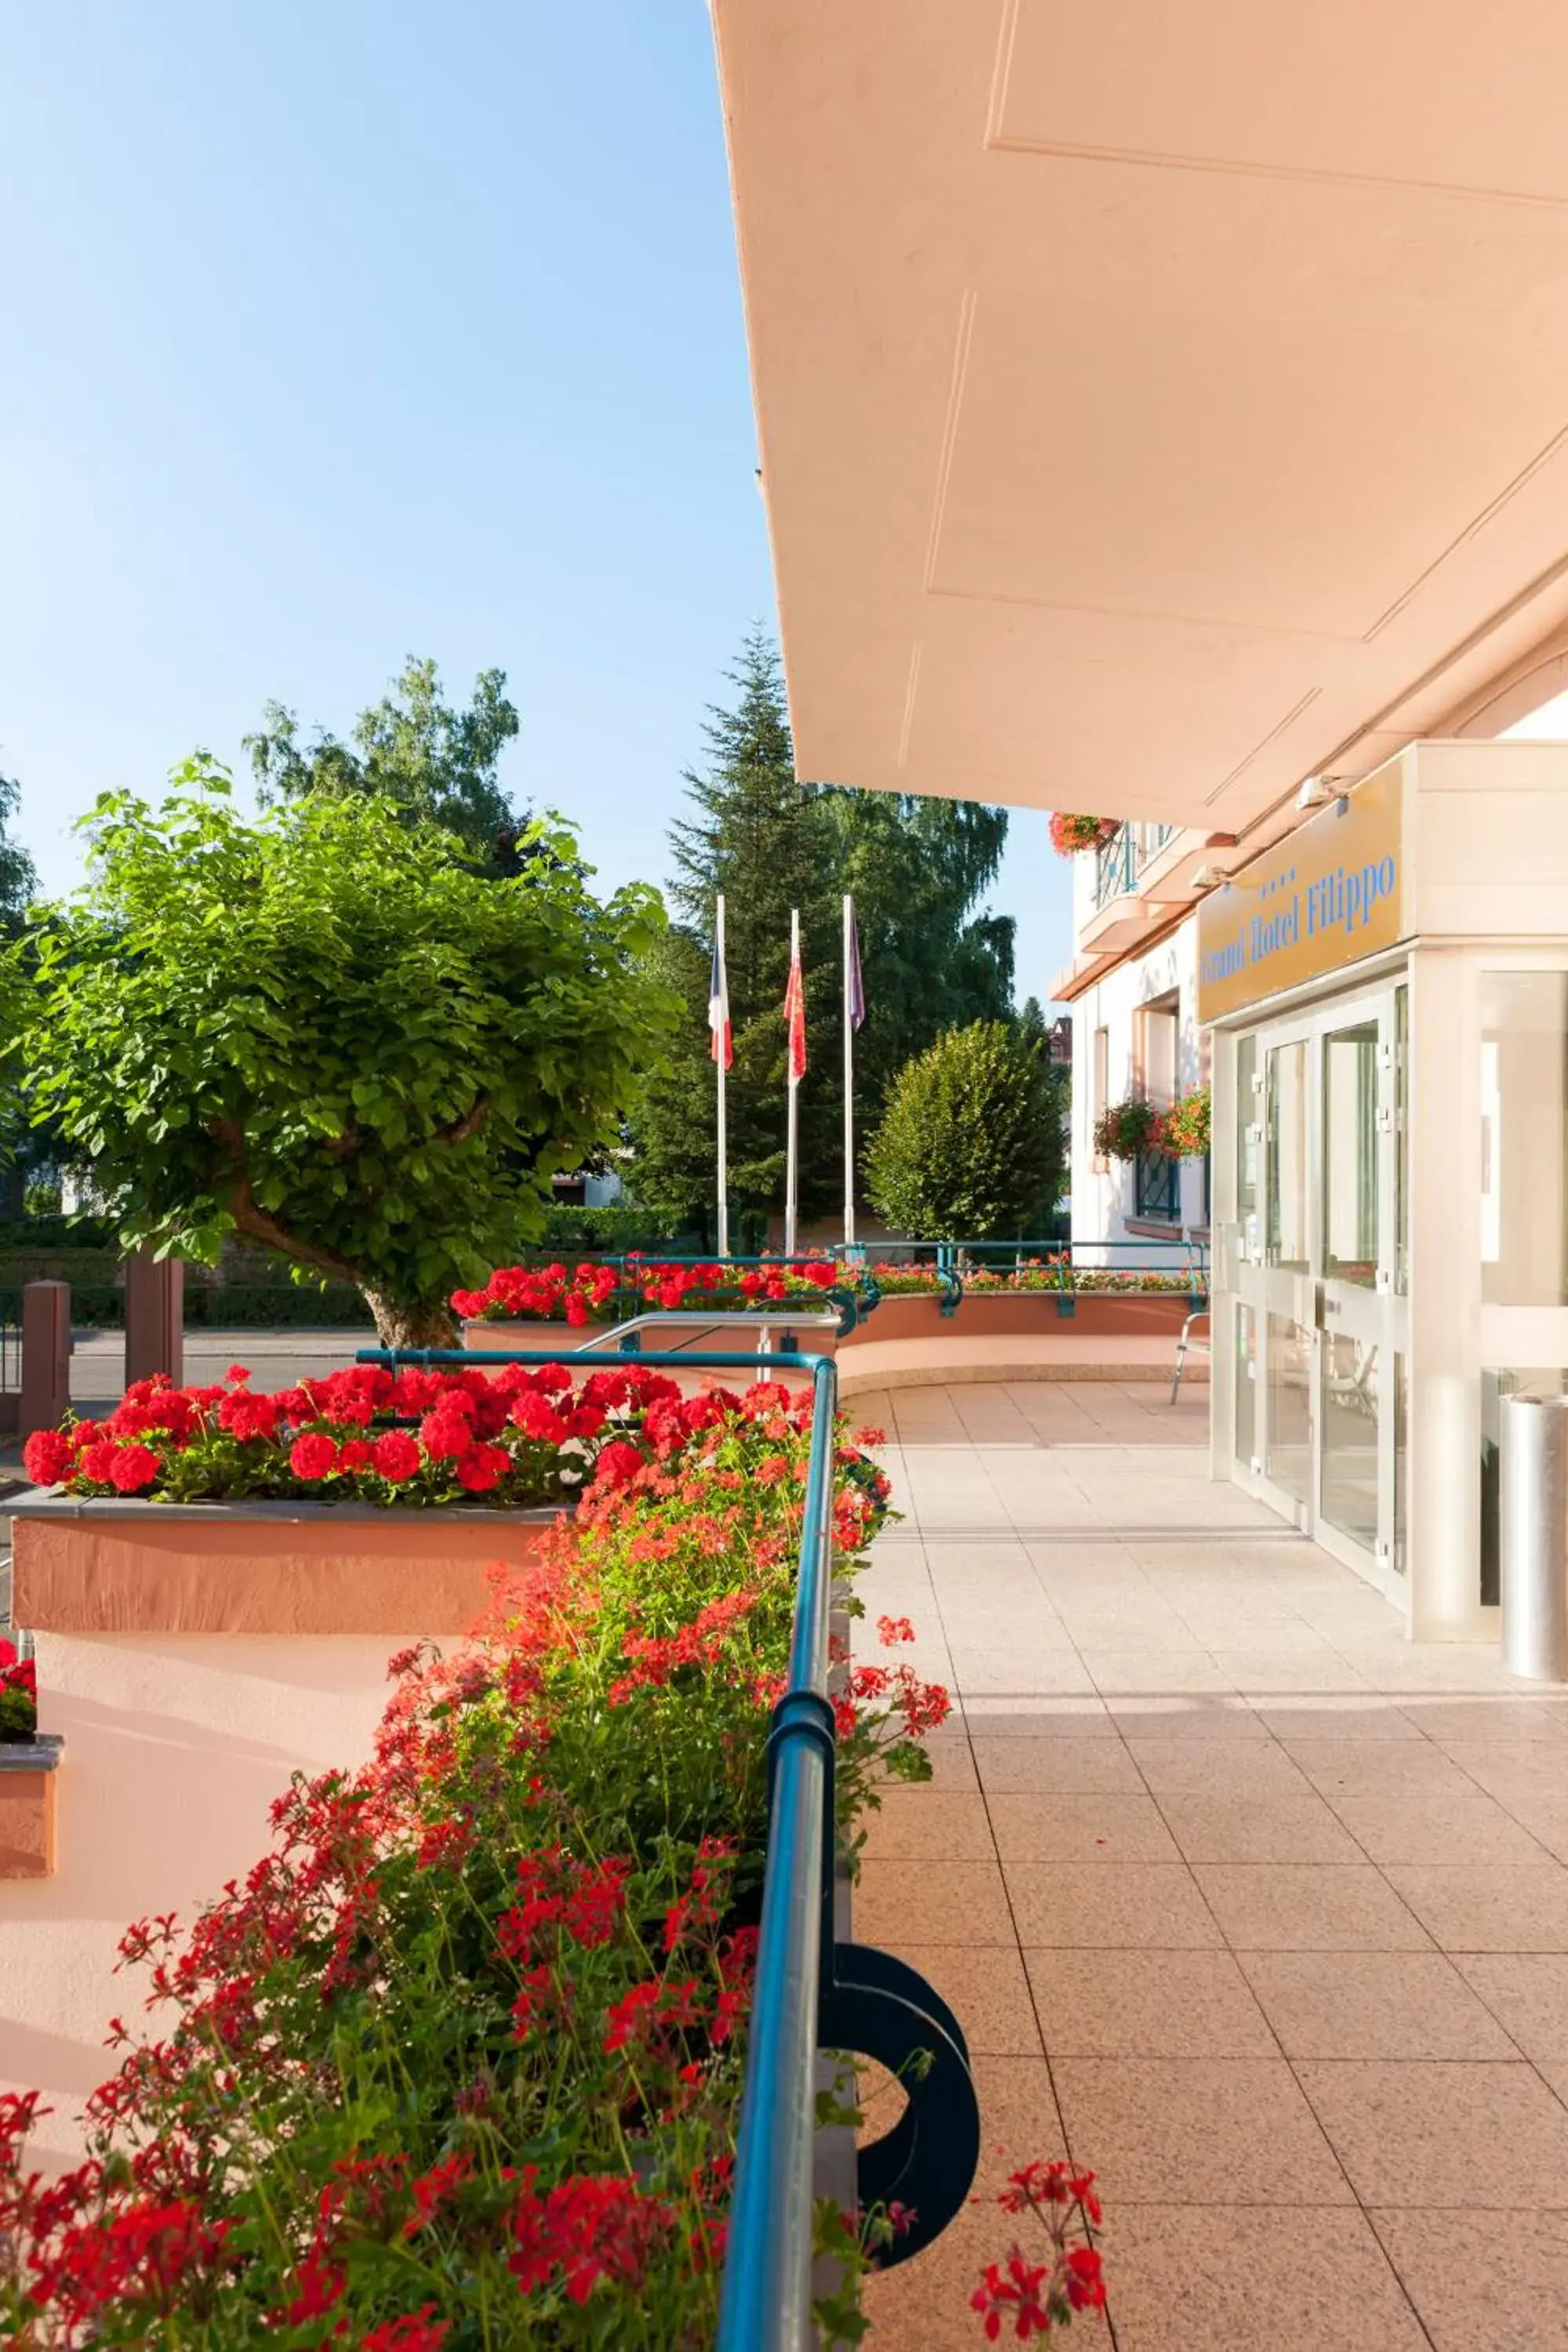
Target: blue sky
[336, 333]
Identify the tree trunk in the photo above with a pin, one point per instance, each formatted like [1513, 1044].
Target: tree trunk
[399, 1325]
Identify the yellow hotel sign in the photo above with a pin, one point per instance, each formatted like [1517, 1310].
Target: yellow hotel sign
[1328, 895]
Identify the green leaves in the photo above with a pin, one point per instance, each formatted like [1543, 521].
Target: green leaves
[971, 1147]
[326, 1031]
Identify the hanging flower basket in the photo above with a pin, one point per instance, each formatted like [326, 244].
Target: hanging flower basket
[1128, 1130]
[1185, 1129]
[1070, 835]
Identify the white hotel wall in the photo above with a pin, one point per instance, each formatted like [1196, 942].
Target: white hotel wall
[1102, 1194]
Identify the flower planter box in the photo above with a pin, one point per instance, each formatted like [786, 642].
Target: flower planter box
[27, 1807]
[563, 1338]
[1113, 1313]
[195, 1657]
[298, 1569]
[701, 1329]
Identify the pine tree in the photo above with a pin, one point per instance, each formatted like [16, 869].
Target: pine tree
[916, 868]
[765, 842]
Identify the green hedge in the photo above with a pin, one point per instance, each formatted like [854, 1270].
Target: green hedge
[33, 1233]
[270, 1306]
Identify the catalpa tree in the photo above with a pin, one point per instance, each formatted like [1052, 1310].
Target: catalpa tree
[325, 1032]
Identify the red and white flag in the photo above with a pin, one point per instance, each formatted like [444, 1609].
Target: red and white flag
[794, 1010]
[721, 1047]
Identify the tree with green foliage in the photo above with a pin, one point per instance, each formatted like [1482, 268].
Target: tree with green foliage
[435, 764]
[324, 1031]
[770, 844]
[17, 879]
[971, 1146]
[918, 867]
[766, 843]
[18, 882]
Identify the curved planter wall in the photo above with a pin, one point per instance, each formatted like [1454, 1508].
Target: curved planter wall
[908, 1342]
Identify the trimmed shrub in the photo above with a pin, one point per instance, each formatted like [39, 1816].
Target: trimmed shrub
[971, 1144]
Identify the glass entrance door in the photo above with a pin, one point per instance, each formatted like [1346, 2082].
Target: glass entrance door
[1322, 1315]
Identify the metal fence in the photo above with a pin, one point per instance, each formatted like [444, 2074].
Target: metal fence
[812, 1992]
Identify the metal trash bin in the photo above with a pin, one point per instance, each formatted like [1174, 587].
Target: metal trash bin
[1533, 1516]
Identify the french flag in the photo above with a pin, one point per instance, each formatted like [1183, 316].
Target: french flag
[720, 1047]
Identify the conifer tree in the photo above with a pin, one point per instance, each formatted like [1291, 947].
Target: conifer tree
[916, 867]
[765, 842]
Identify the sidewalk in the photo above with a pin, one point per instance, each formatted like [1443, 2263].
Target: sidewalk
[1243, 1900]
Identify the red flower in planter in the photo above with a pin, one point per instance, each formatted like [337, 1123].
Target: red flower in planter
[244, 1416]
[483, 1467]
[444, 1434]
[313, 1456]
[396, 1455]
[47, 1457]
[415, 2332]
[132, 1468]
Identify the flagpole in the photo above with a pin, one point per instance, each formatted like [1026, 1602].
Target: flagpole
[848, 1087]
[793, 1093]
[724, 1140]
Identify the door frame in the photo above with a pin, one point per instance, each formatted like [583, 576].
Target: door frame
[1321, 1306]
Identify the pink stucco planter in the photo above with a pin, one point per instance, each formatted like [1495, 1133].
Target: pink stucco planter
[694, 1332]
[193, 1658]
[298, 1569]
[562, 1337]
[1110, 1313]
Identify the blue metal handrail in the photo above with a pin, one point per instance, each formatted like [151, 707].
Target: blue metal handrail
[810, 1992]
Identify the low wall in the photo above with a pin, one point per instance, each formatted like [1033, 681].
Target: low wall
[1102, 1314]
[193, 1660]
[908, 1342]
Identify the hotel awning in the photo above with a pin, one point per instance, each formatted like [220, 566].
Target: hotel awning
[1156, 404]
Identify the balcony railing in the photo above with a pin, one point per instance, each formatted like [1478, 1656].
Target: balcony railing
[1118, 864]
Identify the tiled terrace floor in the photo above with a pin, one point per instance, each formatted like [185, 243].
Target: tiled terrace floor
[1245, 1900]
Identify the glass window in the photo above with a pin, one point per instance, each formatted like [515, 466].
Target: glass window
[1288, 1462]
[1350, 1436]
[1350, 1154]
[1524, 1138]
[1287, 1156]
[1247, 1147]
[1402, 1140]
[1246, 1387]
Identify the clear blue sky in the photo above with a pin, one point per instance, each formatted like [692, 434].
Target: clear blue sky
[336, 333]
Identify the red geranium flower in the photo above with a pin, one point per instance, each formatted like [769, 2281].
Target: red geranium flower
[46, 1457]
[132, 1468]
[415, 2332]
[314, 1455]
[396, 1457]
[482, 1467]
